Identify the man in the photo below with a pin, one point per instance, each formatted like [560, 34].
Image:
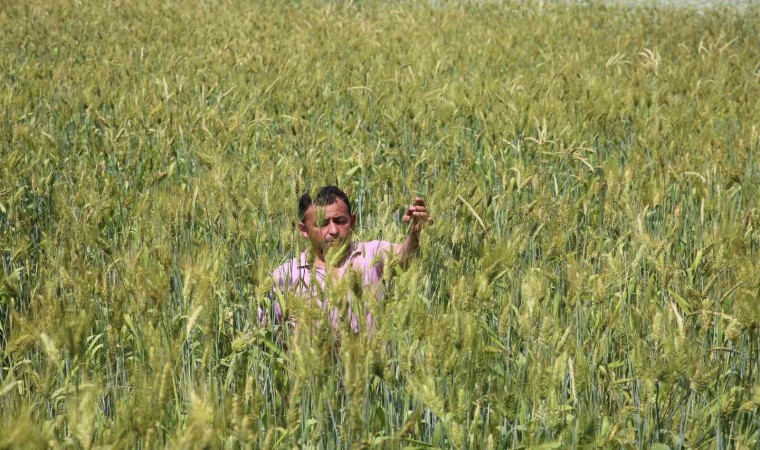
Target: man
[328, 223]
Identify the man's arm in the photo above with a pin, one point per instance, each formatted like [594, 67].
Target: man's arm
[416, 216]
[265, 315]
[269, 310]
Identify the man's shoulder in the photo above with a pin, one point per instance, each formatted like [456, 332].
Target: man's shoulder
[289, 270]
[372, 245]
[372, 248]
[286, 266]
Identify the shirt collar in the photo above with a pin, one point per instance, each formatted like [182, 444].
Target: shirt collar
[354, 249]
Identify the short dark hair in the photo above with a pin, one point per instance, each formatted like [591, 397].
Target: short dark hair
[327, 195]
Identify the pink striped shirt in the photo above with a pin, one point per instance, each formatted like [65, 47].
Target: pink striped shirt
[365, 258]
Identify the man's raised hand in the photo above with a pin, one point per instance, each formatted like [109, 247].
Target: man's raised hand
[416, 215]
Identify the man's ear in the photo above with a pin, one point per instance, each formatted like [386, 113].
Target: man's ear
[302, 228]
[353, 221]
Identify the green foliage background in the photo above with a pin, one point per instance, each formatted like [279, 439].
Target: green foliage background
[591, 279]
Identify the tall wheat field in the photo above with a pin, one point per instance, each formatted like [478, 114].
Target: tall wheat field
[591, 278]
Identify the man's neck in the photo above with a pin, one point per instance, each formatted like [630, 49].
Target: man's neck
[319, 261]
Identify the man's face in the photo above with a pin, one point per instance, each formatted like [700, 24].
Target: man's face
[327, 225]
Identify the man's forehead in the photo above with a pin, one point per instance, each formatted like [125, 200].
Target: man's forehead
[334, 209]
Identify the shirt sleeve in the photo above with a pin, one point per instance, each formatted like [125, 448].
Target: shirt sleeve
[281, 283]
[264, 315]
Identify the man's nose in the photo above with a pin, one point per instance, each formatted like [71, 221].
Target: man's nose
[332, 229]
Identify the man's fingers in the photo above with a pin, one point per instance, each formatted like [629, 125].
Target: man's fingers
[417, 212]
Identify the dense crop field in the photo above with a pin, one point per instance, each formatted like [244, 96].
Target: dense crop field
[591, 278]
